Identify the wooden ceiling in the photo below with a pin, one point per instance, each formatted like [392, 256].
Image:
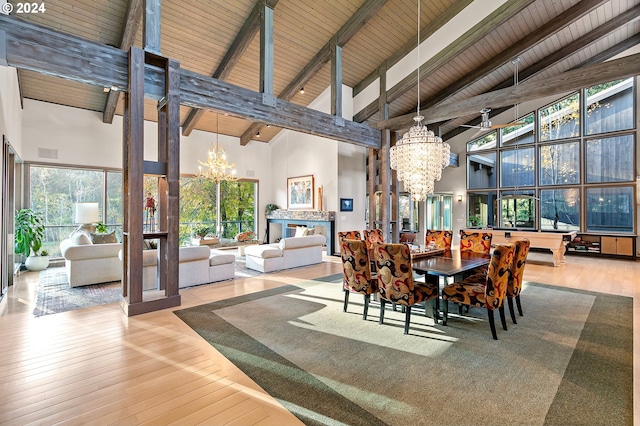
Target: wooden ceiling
[549, 36]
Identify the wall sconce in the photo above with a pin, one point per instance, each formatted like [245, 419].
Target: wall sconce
[459, 198]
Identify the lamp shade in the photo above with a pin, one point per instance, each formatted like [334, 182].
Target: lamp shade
[87, 213]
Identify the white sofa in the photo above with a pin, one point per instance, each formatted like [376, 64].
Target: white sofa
[288, 253]
[197, 265]
[91, 263]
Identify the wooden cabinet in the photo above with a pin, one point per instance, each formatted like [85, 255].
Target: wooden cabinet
[621, 246]
[606, 245]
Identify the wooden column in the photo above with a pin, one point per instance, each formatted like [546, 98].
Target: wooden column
[336, 80]
[266, 53]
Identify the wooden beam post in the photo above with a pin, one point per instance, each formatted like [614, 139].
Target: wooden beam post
[266, 52]
[152, 20]
[336, 80]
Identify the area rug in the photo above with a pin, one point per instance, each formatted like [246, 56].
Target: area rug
[55, 295]
[567, 361]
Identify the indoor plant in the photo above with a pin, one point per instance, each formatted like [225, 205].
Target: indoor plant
[269, 208]
[28, 235]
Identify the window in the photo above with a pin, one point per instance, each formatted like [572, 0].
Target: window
[487, 141]
[408, 212]
[560, 209]
[518, 209]
[560, 120]
[610, 107]
[520, 134]
[610, 209]
[610, 159]
[482, 209]
[517, 167]
[560, 164]
[481, 170]
[438, 208]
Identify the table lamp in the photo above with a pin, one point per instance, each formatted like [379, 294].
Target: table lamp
[87, 214]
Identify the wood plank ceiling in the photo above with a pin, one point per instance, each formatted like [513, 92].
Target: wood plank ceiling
[199, 33]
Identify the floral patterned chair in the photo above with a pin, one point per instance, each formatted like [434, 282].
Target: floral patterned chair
[478, 242]
[357, 272]
[372, 236]
[515, 279]
[396, 284]
[349, 235]
[442, 239]
[489, 294]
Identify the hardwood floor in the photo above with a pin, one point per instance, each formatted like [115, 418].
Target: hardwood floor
[96, 366]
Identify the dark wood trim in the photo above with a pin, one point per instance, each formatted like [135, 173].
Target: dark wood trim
[336, 80]
[475, 34]
[131, 24]
[47, 51]
[625, 67]
[151, 31]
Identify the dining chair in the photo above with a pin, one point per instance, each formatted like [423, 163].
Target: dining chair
[349, 235]
[478, 242]
[489, 294]
[514, 285]
[396, 284]
[408, 237]
[372, 236]
[442, 239]
[356, 272]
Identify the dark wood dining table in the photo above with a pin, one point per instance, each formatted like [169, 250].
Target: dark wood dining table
[450, 263]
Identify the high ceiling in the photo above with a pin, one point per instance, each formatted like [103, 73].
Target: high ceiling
[549, 36]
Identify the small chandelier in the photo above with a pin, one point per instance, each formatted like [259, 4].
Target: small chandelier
[216, 167]
[420, 155]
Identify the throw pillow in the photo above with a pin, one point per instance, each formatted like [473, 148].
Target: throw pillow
[79, 238]
[104, 238]
[309, 231]
[300, 230]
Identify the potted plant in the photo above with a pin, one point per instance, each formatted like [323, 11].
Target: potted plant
[101, 228]
[269, 208]
[201, 231]
[28, 236]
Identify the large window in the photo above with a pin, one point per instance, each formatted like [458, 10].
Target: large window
[55, 190]
[439, 215]
[564, 176]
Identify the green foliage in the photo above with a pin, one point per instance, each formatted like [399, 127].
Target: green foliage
[269, 208]
[29, 232]
[101, 228]
[202, 230]
[474, 221]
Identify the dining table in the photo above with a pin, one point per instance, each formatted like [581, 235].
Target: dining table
[449, 263]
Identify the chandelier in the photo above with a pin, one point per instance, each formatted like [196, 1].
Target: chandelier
[216, 167]
[420, 155]
[419, 158]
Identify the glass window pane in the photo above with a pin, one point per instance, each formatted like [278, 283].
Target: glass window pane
[517, 167]
[438, 208]
[610, 209]
[560, 164]
[520, 134]
[561, 120]
[610, 159]
[487, 141]
[114, 203]
[237, 207]
[481, 170]
[560, 209]
[610, 107]
[408, 213]
[482, 209]
[54, 192]
[518, 209]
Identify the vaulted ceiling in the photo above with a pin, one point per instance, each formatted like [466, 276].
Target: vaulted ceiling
[221, 38]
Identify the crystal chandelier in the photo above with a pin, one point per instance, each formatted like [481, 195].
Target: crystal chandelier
[420, 155]
[216, 167]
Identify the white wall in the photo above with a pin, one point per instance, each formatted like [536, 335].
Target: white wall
[10, 108]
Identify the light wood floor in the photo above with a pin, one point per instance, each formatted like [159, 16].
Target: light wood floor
[96, 366]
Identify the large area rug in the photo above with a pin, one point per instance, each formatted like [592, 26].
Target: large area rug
[568, 361]
[55, 295]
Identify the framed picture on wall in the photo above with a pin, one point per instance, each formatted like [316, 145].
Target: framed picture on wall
[346, 204]
[300, 192]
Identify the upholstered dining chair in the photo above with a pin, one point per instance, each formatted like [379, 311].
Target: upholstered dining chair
[349, 235]
[514, 285]
[372, 236]
[357, 272]
[396, 284]
[478, 242]
[489, 294]
[442, 239]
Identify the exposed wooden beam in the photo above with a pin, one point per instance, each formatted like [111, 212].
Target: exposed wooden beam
[336, 81]
[131, 24]
[425, 33]
[266, 49]
[561, 21]
[475, 34]
[231, 58]
[344, 34]
[625, 67]
[43, 50]
[152, 21]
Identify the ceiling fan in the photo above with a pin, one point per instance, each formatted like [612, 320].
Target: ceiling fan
[485, 124]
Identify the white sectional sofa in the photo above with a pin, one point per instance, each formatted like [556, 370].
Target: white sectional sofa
[288, 253]
[197, 265]
[89, 263]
